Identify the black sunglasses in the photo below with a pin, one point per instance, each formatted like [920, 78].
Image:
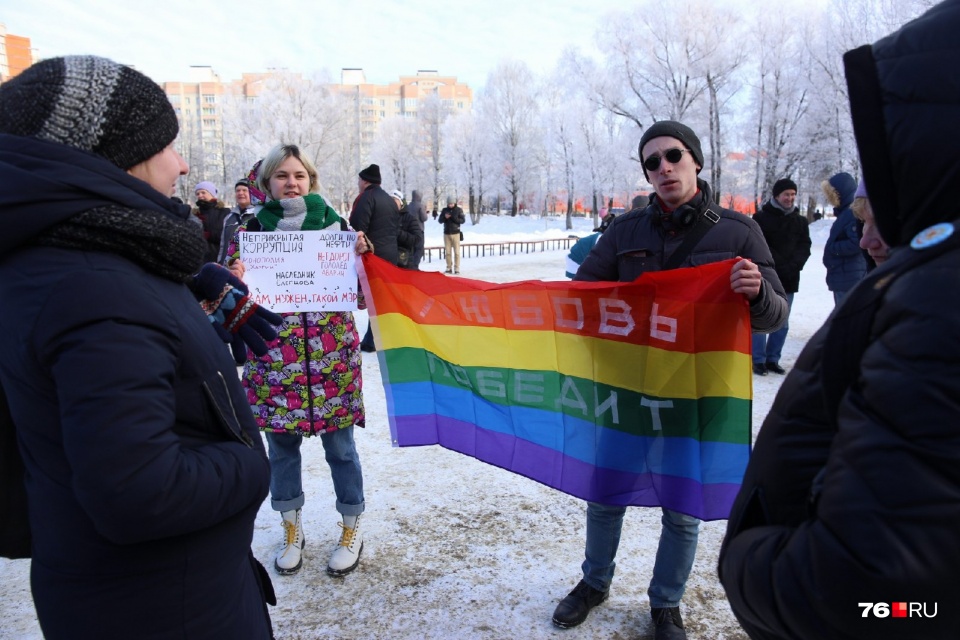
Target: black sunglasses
[670, 155]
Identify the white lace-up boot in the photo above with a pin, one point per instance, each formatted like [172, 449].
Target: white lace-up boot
[347, 555]
[290, 559]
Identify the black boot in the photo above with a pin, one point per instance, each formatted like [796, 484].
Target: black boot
[367, 345]
[573, 609]
[668, 625]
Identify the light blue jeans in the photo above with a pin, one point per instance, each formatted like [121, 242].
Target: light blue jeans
[675, 554]
[769, 347]
[286, 481]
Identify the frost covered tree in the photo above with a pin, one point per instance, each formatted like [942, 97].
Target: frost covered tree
[395, 148]
[508, 106]
[470, 160]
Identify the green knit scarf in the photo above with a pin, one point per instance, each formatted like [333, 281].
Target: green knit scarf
[305, 213]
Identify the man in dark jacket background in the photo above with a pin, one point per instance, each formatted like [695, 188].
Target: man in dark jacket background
[788, 235]
[376, 215]
[451, 218]
[646, 240]
[846, 522]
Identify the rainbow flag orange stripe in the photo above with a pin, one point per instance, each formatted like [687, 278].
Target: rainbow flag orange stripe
[622, 393]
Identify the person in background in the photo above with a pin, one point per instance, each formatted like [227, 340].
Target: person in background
[639, 202]
[788, 235]
[375, 214]
[841, 253]
[582, 247]
[636, 243]
[237, 216]
[211, 213]
[871, 241]
[419, 213]
[409, 235]
[309, 383]
[144, 470]
[451, 218]
[845, 525]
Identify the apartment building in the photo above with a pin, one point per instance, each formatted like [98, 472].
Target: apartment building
[198, 101]
[16, 54]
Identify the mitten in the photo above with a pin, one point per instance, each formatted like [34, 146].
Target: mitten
[237, 319]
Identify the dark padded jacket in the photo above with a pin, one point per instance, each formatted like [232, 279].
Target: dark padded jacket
[144, 466]
[788, 235]
[451, 225]
[861, 503]
[375, 213]
[637, 243]
[410, 237]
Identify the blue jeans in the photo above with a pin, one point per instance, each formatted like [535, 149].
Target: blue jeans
[768, 347]
[340, 450]
[675, 554]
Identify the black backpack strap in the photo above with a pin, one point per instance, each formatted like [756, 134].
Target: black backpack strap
[705, 222]
[849, 332]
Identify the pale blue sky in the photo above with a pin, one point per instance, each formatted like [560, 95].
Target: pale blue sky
[386, 39]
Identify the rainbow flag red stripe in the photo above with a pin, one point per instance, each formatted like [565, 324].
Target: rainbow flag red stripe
[622, 393]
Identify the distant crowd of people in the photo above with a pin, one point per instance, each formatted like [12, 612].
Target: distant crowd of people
[132, 461]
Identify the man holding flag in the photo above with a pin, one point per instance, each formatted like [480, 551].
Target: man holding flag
[681, 227]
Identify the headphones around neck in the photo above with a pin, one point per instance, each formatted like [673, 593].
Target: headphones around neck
[683, 216]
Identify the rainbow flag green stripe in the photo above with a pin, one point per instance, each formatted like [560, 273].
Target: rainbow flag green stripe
[708, 418]
[622, 393]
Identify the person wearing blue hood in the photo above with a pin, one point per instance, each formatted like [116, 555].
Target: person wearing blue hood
[845, 525]
[142, 468]
[842, 255]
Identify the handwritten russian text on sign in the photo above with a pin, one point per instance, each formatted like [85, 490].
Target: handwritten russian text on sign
[293, 271]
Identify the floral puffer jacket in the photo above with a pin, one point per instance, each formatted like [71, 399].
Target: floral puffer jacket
[310, 381]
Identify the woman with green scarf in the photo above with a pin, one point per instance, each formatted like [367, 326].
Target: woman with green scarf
[309, 383]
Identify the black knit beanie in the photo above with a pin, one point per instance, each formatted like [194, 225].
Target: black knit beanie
[90, 103]
[371, 174]
[782, 185]
[672, 129]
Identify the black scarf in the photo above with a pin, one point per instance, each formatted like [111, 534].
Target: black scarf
[55, 195]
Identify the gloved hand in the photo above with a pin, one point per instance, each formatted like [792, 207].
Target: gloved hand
[238, 320]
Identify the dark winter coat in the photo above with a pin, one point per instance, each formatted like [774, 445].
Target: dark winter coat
[420, 214]
[788, 235]
[410, 237]
[859, 503]
[451, 225]
[211, 216]
[841, 252]
[144, 470]
[375, 213]
[417, 209]
[637, 243]
[230, 225]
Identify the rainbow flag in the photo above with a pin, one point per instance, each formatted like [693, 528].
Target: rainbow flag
[622, 393]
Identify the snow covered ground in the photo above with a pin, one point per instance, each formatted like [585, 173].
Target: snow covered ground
[455, 548]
